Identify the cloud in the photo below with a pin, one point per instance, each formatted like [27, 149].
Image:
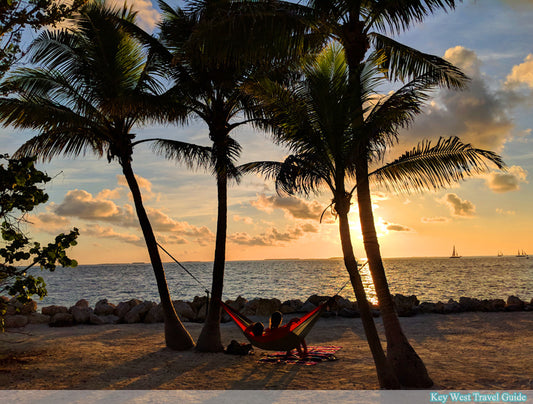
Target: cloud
[245, 219]
[438, 219]
[49, 222]
[458, 206]
[477, 114]
[501, 182]
[273, 236]
[503, 212]
[295, 207]
[98, 231]
[111, 193]
[144, 184]
[522, 73]
[396, 227]
[147, 16]
[82, 205]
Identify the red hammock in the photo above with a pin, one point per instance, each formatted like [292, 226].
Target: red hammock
[280, 339]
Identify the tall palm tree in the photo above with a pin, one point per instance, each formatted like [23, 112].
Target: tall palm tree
[211, 91]
[94, 83]
[361, 26]
[320, 121]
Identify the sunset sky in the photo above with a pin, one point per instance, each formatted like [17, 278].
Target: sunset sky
[491, 40]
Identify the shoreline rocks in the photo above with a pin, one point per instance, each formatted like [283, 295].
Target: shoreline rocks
[18, 315]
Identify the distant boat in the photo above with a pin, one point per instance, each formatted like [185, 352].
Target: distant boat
[500, 254]
[522, 254]
[454, 254]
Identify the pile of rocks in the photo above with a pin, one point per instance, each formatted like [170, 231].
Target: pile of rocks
[137, 311]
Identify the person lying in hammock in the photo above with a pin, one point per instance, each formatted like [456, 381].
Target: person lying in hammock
[275, 329]
[275, 324]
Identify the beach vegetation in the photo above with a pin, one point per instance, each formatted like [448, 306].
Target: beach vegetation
[19, 15]
[92, 84]
[21, 190]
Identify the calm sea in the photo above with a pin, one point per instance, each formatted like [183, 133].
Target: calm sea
[431, 279]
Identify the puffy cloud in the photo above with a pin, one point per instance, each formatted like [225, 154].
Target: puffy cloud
[522, 73]
[501, 182]
[273, 236]
[295, 207]
[438, 219]
[81, 204]
[477, 114]
[49, 222]
[111, 193]
[458, 206]
[147, 16]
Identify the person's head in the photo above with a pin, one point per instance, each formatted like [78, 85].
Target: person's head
[257, 329]
[275, 319]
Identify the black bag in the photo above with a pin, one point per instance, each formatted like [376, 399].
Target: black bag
[235, 348]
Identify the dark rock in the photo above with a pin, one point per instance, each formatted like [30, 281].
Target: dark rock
[514, 304]
[53, 310]
[82, 304]
[307, 307]
[316, 299]
[96, 320]
[137, 313]
[405, 304]
[426, 307]
[104, 308]
[497, 305]
[81, 314]
[155, 315]
[124, 307]
[185, 310]
[470, 304]
[38, 318]
[265, 307]
[16, 307]
[61, 320]
[291, 306]
[237, 304]
[15, 321]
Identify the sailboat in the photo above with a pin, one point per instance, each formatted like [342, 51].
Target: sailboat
[522, 254]
[500, 254]
[454, 254]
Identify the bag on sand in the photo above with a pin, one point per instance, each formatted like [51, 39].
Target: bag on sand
[235, 348]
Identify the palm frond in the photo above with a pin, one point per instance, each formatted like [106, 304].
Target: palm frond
[399, 16]
[401, 62]
[428, 167]
[193, 156]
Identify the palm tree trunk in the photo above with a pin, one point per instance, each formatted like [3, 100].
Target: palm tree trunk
[210, 339]
[176, 336]
[408, 366]
[387, 378]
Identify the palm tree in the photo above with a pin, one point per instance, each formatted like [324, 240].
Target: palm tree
[319, 121]
[211, 91]
[93, 84]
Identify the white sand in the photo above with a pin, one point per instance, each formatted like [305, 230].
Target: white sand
[461, 351]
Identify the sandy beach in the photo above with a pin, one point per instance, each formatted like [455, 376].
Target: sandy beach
[461, 351]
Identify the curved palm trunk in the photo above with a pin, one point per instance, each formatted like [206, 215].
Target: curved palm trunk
[408, 366]
[176, 336]
[387, 378]
[209, 339]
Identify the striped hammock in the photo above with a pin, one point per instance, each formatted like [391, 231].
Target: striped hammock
[284, 338]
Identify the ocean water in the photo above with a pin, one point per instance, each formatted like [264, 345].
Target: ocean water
[430, 279]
